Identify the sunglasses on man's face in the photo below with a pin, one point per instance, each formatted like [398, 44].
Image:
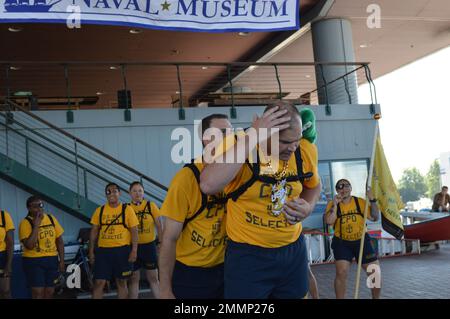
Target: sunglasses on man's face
[342, 186]
[112, 191]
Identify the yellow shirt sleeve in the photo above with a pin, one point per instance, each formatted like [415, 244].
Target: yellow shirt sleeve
[155, 210]
[24, 229]
[9, 225]
[310, 162]
[176, 204]
[130, 217]
[58, 229]
[95, 217]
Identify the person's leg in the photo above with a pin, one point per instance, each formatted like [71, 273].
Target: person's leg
[5, 292]
[97, 290]
[152, 278]
[313, 289]
[373, 271]
[122, 289]
[340, 283]
[50, 267]
[37, 292]
[250, 272]
[49, 292]
[102, 271]
[133, 285]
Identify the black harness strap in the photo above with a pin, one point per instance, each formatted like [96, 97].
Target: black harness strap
[30, 220]
[269, 179]
[339, 213]
[3, 219]
[140, 215]
[205, 204]
[113, 223]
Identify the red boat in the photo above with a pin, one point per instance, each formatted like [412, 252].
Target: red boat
[430, 230]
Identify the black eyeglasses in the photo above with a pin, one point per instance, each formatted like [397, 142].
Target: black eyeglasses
[341, 186]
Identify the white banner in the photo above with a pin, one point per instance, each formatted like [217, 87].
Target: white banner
[185, 15]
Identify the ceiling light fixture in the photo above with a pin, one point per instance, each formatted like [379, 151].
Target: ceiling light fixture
[135, 31]
[14, 68]
[363, 46]
[244, 34]
[204, 68]
[113, 67]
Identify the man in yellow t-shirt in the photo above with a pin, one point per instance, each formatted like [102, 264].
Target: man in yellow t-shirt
[148, 215]
[266, 253]
[113, 243]
[194, 238]
[41, 238]
[6, 253]
[346, 214]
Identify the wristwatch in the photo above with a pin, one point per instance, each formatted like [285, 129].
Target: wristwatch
[373, 200]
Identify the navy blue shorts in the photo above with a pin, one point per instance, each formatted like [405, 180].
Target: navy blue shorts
[112, 263]
[197, 282]
[253, 272]
[146, 257]
[41, 271]
[349, 249]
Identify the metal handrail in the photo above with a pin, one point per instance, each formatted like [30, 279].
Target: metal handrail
[89, 146]
[84, 168]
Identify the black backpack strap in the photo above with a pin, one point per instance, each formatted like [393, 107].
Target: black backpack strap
[299, 162]
[51, 220]
[30, 220]
[101, 216]
[204, 203]
[3, 224]
[358, 208]
[124, 207]
[255, 176]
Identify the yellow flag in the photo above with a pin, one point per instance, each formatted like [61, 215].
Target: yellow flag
[386, 193]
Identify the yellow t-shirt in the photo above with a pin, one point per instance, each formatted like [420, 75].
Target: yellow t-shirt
[351, 223]
[4, 228]
[46, 243]
[202, 242]
[250, 219]
[146, 227]
[116, 235]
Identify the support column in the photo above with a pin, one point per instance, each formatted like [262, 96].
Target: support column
[332, 42]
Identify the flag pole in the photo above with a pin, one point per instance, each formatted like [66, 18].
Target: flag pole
[369, 184]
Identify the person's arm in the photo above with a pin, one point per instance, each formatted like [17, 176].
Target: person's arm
[30, 241]
[172, 230]
[9, 240]
[300, 208]
[93, 236]
[60, 247]
[374, 211]
[215, 176]
[331, 214]
[134, 244]
[159, 229]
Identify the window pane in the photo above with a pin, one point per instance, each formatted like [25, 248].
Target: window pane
[355, 172]
[325, 177]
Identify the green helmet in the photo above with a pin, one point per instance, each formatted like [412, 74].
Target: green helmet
[309, 124]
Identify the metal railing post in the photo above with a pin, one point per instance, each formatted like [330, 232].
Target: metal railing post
[181, 113]
[280, 92]
[69, 113]
[127, 112]
[230, 83]
[78, 178]
[369, 81]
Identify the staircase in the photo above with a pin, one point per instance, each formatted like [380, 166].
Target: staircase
[64, 170]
